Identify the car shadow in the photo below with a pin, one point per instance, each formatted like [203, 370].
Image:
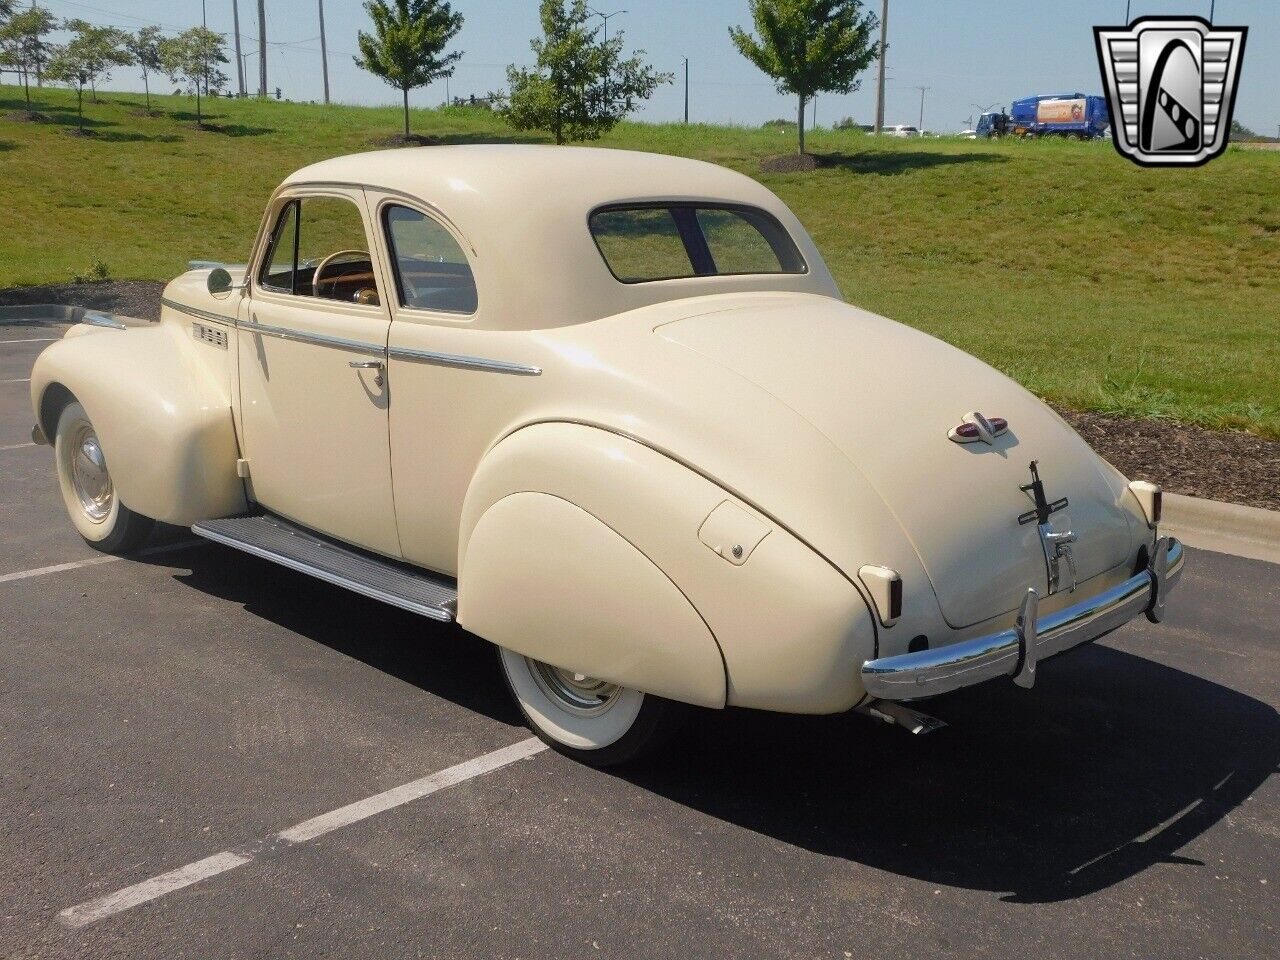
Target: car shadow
[1111, 765]
[892, 162]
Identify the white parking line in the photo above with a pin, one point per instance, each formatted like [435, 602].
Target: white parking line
[17, 380]
[17, 446]
[33, 340]
[94, 910]
[75, 564]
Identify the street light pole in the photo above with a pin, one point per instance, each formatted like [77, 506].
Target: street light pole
[920, 127]
[884, 27]
[324, 56]
[605, 17]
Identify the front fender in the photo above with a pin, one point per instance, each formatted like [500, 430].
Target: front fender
[792, 632]
[162, 414]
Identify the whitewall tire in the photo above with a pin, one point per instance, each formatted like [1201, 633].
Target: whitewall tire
[90, 497]
[591, 720]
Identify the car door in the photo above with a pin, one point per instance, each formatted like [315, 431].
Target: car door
[312, 363]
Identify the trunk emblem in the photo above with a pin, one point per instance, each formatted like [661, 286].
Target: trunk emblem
[1055, 543]
[974, 426]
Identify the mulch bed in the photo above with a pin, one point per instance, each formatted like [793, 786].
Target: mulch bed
[129, 298]
[27, 116]
[789, 163]
[1216, 464]
[412, 140]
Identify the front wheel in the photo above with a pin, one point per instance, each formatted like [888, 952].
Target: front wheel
[596, 722]
[105, 523]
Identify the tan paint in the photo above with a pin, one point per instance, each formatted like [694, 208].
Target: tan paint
[159, 403]
[585, 599]
[292, 396]
[656, 404]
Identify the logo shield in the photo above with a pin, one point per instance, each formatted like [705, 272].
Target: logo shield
[1171, 86]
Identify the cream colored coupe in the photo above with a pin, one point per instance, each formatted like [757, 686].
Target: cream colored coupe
[608, 411]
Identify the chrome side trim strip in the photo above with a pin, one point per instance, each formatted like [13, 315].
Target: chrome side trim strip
[457, 361]
[96, 318]
[197, 312]
[929, 672]
[464, 362]
[317, 339]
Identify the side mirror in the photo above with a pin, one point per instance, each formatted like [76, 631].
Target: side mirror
[219, 282]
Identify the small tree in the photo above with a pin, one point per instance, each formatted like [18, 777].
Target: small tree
[97, 51]
[192, 56]
[22, 43]
[581, 87]
[90, 55]
[407, 44]
[809, 46]
[144, 47]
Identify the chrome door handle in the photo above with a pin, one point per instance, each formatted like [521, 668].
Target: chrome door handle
[369, 365]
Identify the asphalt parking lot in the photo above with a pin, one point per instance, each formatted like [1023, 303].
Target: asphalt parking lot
[179, 714]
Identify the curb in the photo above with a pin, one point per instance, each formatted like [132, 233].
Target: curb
[1223, 527]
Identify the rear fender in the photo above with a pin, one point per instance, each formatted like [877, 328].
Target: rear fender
[552, 512]
[162, 413]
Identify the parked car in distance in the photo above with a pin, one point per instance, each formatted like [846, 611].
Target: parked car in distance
[608, 411]
[902, 131]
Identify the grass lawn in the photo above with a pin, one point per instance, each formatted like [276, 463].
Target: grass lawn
[1095, 283]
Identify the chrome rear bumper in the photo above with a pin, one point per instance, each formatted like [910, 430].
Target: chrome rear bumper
[1015, 652]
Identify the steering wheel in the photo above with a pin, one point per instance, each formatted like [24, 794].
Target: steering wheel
[315, 277]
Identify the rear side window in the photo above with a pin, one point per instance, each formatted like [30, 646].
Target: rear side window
[431, 270]
[668, 241]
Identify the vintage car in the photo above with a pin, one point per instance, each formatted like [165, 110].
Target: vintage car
[608, 411]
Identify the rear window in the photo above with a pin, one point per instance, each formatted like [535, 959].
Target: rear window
[668, 241]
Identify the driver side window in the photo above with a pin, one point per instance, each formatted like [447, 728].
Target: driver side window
[319, 249]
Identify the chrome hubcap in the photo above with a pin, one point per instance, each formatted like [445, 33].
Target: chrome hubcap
[574, 691]
[89, 475]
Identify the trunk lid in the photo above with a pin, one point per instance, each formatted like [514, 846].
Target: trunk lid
[886, 397]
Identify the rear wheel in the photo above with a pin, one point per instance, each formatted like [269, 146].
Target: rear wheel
[596, 722]
[105, 523]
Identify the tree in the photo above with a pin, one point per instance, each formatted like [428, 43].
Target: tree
[809, 46]
[22, 43]
[580, 87]
[97, 51]
[89, 56]
[407, 44]
[144, 47]
[192, 56]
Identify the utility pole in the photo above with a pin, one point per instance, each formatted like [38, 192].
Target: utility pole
[884, 27]
[324, 56]
[920, 126]
[39, 59]
[235, 22]
[814, 124]
[262, 48]
[204, 23]
[686, 91]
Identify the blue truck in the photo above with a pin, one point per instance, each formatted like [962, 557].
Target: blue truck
[1080, 115]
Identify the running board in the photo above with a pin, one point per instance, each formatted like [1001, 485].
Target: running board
[279, 541]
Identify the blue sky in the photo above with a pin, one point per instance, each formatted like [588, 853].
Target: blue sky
[969, 53]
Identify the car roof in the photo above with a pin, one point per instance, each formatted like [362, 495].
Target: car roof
[522, 210]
